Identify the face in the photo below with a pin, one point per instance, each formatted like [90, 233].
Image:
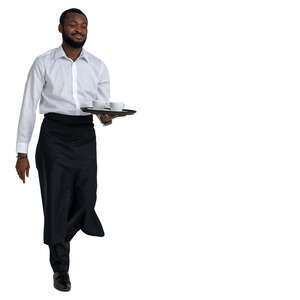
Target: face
[74, 31]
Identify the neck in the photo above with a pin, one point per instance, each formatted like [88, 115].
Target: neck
[71, 52]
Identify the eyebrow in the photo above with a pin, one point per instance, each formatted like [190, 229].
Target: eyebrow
[77, 22]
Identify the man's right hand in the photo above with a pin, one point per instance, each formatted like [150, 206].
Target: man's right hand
[22, 167]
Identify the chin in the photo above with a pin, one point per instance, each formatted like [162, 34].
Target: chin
[75, 44]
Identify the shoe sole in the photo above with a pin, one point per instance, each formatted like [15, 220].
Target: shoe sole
[62, 289]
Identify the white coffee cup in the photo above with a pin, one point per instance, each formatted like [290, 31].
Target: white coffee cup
[117, 106]
[99, 104]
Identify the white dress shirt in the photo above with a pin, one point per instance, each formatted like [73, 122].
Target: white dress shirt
[60, 85]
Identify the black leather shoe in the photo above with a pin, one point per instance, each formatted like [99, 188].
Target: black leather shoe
[61, 281]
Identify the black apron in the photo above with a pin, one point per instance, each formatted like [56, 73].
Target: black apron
[66, 160]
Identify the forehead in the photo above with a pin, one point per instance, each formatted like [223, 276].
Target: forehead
[75, 17]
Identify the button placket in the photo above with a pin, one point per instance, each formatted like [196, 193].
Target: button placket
[75, 94]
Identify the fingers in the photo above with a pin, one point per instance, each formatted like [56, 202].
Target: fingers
[104, 116]
[22, 169]
[107, 117]
[22, 175]
[114, 116]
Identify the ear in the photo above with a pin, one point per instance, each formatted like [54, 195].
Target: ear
[60, 28]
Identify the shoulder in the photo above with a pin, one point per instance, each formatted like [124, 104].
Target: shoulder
[41, 60]
[46, 55]
[96, 61]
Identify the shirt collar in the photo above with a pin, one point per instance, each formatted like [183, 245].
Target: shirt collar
[60, 52]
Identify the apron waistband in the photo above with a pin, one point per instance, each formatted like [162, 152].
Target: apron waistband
[69, 119]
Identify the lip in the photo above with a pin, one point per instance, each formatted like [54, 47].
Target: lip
[78, 36]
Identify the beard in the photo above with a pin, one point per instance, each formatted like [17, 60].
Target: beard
[71, 42]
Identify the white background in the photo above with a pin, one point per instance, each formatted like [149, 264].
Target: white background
[198, 192]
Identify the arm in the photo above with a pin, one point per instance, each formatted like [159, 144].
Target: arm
[103, 89]
[32, 93]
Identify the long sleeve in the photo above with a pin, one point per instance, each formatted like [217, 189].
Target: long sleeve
[104, 89]
[32, 94]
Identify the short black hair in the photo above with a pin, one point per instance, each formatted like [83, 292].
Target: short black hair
[71, 10]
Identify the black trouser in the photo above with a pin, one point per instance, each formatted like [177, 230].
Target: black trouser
[60, 254]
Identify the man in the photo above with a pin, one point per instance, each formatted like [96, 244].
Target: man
[64, 79]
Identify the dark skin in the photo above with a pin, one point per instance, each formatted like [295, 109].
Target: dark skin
[75, 28]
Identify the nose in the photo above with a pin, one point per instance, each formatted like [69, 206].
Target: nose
[78, 30]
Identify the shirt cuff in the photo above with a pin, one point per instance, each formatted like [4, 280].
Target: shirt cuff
[22, 148]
